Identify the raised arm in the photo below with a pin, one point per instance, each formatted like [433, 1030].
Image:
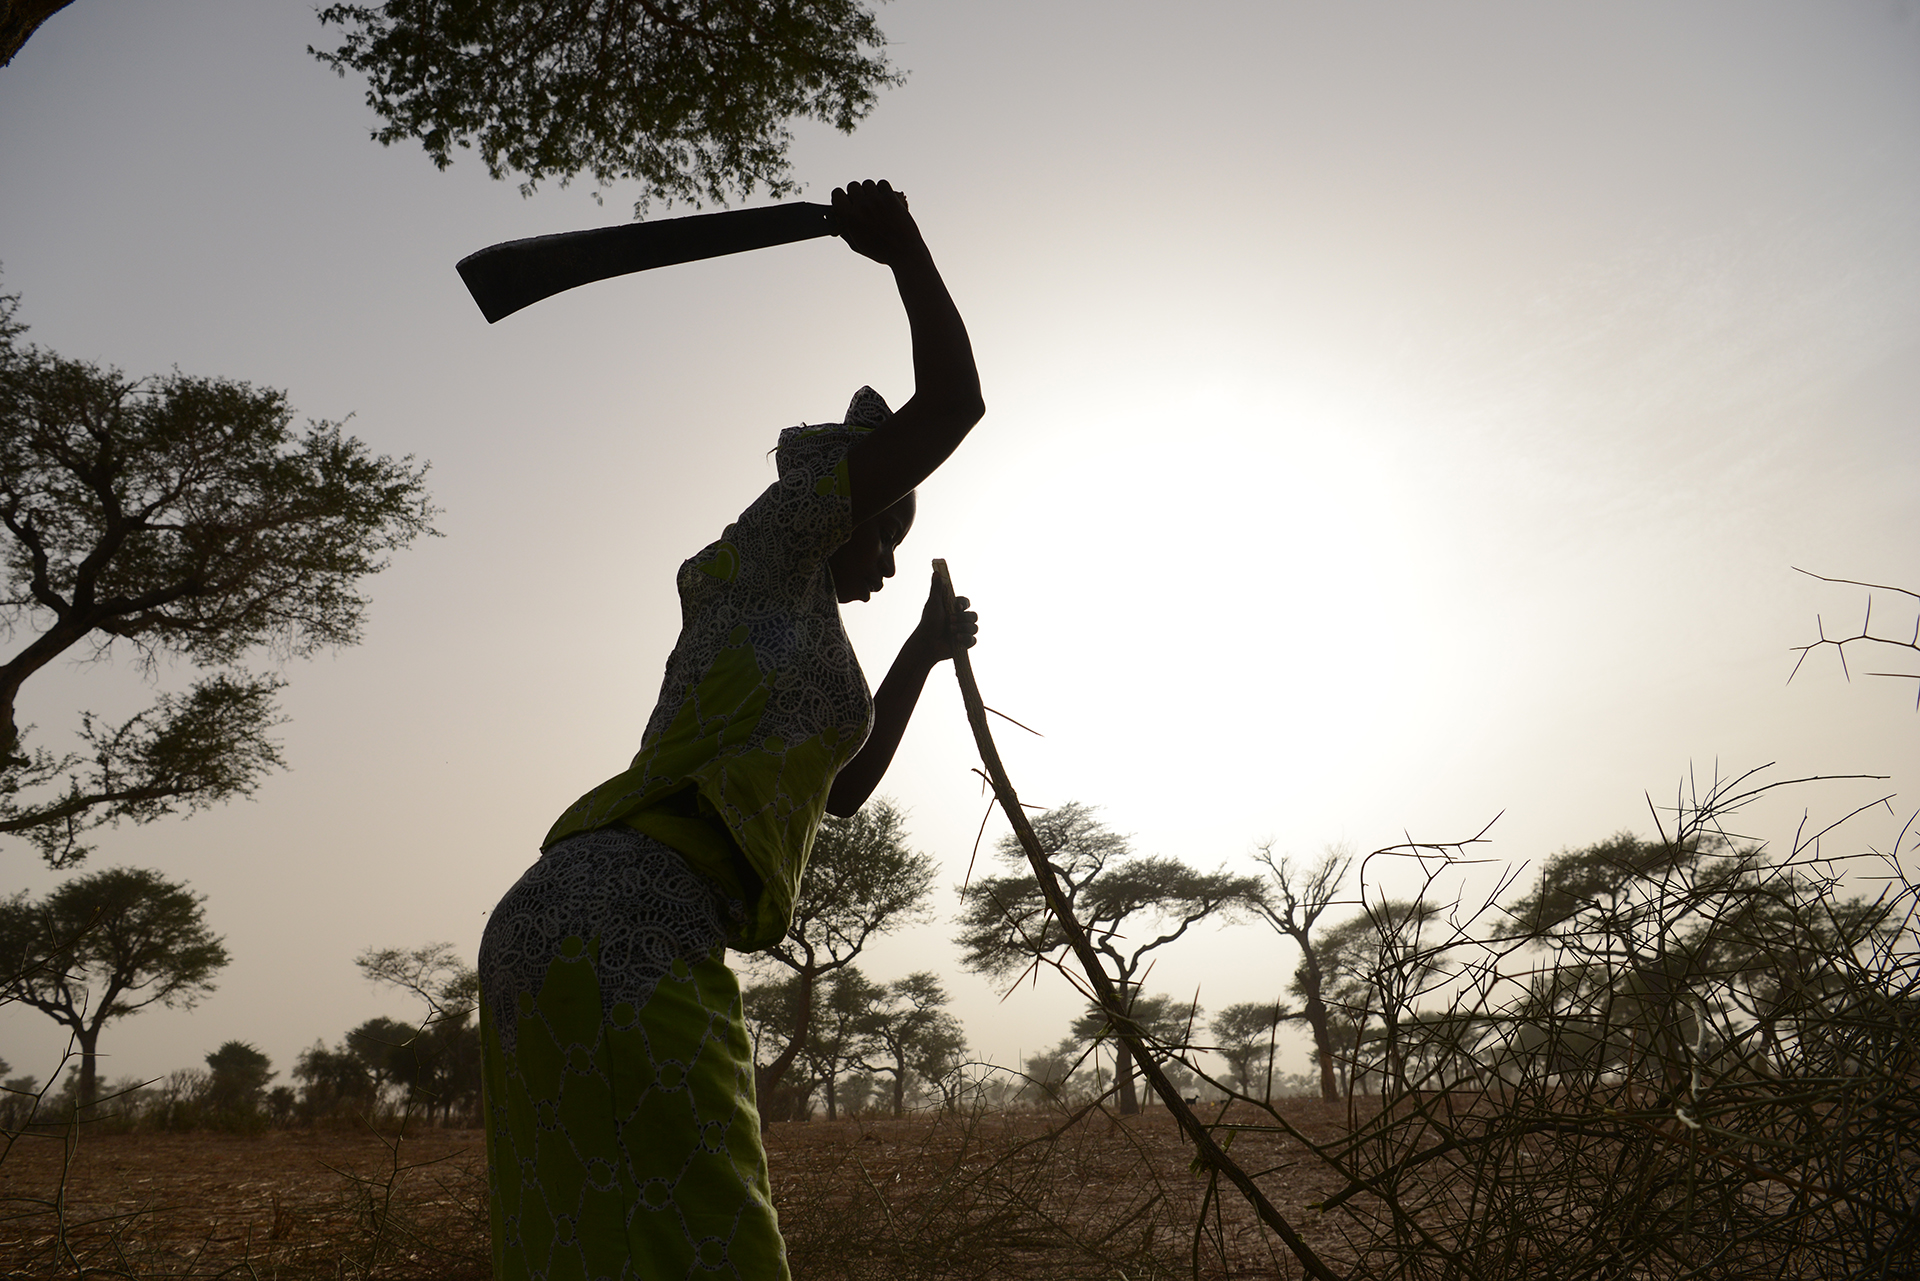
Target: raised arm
[873, 219]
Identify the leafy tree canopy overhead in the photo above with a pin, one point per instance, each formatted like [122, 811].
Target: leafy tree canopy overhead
[19, 19]
[173, 516]
[690, 98]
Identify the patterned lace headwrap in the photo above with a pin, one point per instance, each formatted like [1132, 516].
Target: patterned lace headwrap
[865, 412]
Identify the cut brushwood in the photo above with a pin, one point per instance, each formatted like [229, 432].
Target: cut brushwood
[1210, 1155]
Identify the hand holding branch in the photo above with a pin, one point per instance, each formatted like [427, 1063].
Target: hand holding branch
[937, 638]
[940, 634]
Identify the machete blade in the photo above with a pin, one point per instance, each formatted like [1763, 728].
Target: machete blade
[505, 277]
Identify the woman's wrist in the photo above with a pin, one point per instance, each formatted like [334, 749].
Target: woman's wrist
[923, 649]
[913, 260]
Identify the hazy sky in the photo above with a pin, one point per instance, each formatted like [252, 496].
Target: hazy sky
[1399, 415]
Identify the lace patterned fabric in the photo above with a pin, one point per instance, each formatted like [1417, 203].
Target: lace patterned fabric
[763, 699]
[622, 1138]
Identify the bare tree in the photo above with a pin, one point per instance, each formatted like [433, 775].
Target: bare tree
[1292, 902]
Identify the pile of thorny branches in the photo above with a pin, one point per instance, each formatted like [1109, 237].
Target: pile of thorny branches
[1672, 1058]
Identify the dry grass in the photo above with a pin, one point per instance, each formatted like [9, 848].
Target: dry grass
[1015, 1196]
[1034, 1195]
[285, 1205]
[1010, 1196]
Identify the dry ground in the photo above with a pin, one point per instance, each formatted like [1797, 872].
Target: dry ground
[929, 1197]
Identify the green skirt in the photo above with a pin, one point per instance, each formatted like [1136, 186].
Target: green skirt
[622, 1137]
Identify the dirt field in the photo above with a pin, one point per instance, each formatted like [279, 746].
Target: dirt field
[1004, 1196]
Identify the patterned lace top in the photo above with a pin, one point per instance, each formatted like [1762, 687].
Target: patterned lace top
[763, 700]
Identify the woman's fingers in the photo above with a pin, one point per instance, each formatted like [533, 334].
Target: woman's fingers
[965, 627]
[872, 218]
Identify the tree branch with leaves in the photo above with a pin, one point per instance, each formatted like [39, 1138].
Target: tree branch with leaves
[171, 517]
[692, 101]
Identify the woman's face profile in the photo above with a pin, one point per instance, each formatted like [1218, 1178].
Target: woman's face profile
[862, 565]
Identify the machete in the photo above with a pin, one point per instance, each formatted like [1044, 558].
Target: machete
[505, 277]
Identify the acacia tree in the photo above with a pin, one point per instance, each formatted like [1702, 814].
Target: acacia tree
[841, 1031]
[1131, 906]
[1244, 1036]
[177, 518]
[1161, 1020]
[1650, 936]
[1292, 903]
[862, 881]
[103, 946]
[690, 100]
[237, 1076]
[438, 1060]
[333, 1079]
[772, 1010]
[380, 1044]
[911, 1027]
[1376, 966]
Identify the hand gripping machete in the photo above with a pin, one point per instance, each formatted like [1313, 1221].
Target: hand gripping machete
[505, 277]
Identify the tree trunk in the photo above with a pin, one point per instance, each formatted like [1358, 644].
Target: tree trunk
[900, 1087]
[1395, 1074]
[802, 1024]
[1318, 1020]
[1123, 1077]
[89, 1090]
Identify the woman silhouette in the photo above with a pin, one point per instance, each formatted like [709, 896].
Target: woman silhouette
[622, 1136]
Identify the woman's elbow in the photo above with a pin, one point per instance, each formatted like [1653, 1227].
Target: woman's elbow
[966, 408]
[844, 804]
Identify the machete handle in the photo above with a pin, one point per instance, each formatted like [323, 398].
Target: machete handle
[505, 277]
